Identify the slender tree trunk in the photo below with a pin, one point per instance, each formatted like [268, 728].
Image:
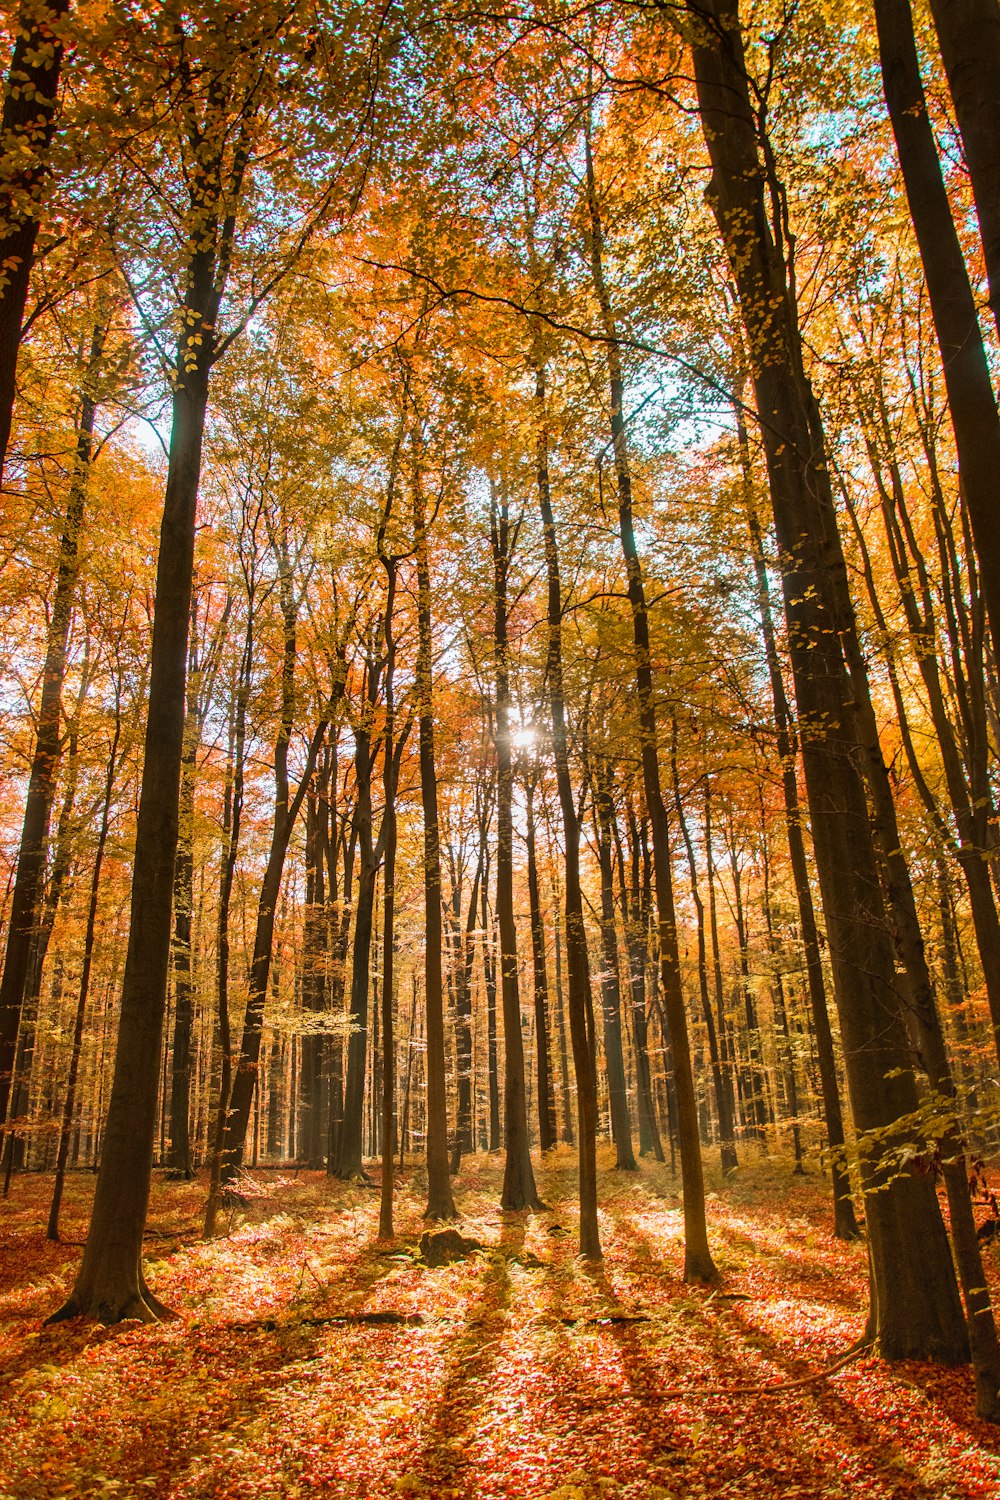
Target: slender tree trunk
[581, 1007]
[547, 1128]
[698, 1263]
[286, 810]
[90, 933]
[232, 817]
[179, 1156]
[440, 1202]
[390, 782]
[519, 1189]
[30, 869]
[490, 984]
[636, 917]
[723, 1103]
[349, 1154]
[621, 1125]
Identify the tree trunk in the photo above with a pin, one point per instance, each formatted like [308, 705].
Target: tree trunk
[440, 1202]
[966, 368]
[698, 1263]
[969, 34]
[547, 1128]
[621, 1125]
[30, 869]
[723, 1102]
[845, 1224]
[90, 933]
[916, 1312]
[581, 1006]
[110, 1284]
[26, 129]
[519, 1189]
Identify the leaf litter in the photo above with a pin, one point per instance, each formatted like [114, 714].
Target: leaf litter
[310, 1359]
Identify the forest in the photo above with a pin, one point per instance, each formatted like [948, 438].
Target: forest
[500, 749]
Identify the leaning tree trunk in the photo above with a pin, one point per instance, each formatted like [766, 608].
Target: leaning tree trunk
[26, 129]
[969, 34]
[916, 1310]
[971, 400]
[519, 1189]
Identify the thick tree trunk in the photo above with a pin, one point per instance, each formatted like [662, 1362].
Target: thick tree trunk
[110, 1284]
[26, 129]
[916, 1311]
[969, 34]
[845, 1224]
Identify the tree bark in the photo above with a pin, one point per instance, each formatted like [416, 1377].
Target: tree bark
[581, 1005]
[969, 34]
[518, 1191]
[26, 129]
[698, 1263]
[440, 1202]
[916, 1311]
[974, 414]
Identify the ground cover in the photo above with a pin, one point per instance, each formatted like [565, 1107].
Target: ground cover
[308, 1359]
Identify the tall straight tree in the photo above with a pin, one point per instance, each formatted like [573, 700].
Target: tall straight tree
[231, 73]
[440, 1202]
[915, 1310]
[519, 1189]
[581, 1004]
[698, 1263]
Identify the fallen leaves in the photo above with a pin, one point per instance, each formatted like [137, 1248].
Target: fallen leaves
[310, 1360]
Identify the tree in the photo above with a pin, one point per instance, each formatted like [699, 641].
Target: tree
[915, 1307]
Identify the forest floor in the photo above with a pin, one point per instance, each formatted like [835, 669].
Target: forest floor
[513, 1374]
